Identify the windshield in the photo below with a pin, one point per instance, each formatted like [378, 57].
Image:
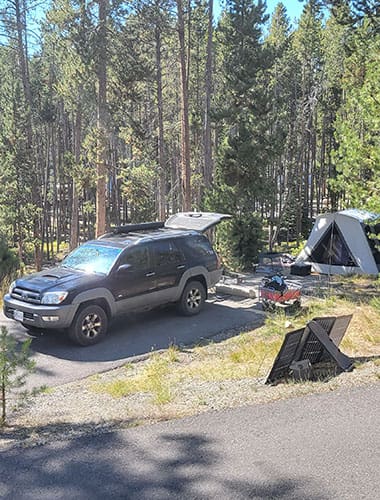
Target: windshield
[92, 258]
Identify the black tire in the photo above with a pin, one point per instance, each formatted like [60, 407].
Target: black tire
[89, 325]
[192, 299]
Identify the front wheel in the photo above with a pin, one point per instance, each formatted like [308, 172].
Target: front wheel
[192, 299]
[89, 325]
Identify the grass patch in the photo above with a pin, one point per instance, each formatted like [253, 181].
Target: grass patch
[152, 379]
[172, 353]
[47, 390]
[375, 303]
[165, 377]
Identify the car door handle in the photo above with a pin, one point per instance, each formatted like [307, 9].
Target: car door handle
[148, 275]
[181, 266]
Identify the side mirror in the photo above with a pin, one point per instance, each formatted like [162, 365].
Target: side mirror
[123, 268]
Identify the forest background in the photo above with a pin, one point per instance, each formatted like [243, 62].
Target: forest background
[130, 111]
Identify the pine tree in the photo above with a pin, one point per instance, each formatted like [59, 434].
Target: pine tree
[334, 39]
[308, 51]
[358, 126]
[281, 120]
[244, 151]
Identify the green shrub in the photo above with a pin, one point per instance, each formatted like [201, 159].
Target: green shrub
[15, 365]
[295, 249]
[240, 240]
[9, 264]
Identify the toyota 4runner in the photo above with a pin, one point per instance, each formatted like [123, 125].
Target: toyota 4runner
[135, 267]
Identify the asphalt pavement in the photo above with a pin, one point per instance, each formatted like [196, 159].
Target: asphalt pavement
[317, 447]
[59, 361]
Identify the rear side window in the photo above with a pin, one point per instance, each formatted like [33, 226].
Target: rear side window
[199, 246]
[165, 252]
[137, 257]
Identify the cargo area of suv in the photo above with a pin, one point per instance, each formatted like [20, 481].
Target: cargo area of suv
[134, 267]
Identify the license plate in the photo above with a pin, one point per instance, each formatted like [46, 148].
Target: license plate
[18, 315]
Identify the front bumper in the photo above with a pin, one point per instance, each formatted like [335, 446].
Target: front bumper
[36, 315]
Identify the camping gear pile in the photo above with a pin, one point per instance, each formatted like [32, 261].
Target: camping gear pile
[274, 293]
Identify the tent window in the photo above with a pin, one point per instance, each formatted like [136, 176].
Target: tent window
[372, 232]
[332, 249]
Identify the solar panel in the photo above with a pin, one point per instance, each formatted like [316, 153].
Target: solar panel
[318, 341]
[336, 332]
[339, 329]
[285, 355]
[343, 361]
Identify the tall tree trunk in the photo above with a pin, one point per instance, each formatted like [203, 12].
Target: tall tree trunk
[24, 73]
[74, 226]
[160, 139]
[24, 70]
[208, 162]
[185, 133]
[101, 171]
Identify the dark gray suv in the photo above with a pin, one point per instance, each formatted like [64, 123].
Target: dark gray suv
[133, 268]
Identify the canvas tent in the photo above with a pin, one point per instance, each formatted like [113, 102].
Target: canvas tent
[340, 243]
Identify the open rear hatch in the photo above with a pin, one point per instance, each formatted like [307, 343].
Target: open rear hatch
[199, 221]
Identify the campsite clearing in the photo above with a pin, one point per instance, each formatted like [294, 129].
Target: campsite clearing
[225, 372]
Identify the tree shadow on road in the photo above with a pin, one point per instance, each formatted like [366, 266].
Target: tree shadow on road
[136, 464]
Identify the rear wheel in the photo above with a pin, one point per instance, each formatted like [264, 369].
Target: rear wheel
[192, 299]
[89, 325]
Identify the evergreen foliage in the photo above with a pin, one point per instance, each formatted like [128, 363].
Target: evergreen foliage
[15, 365]
[240, 240]
[281, 119]
[243, 152]
[9, 262]
[358, 126]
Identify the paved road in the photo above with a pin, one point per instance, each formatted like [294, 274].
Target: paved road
[59, 361]
[316, 447]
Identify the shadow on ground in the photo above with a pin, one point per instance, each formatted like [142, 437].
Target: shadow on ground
[160, 466]
[139, 334]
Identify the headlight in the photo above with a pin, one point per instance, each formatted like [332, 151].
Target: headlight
[11, 287]
[53, 297]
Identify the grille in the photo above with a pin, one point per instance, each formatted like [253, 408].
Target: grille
[27, 315]
[26, 296]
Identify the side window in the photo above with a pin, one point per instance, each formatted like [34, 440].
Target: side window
[165, 252]
[137, 258]
[200, 246]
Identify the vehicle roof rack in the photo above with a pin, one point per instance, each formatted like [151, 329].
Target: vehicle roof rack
[143, 226]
